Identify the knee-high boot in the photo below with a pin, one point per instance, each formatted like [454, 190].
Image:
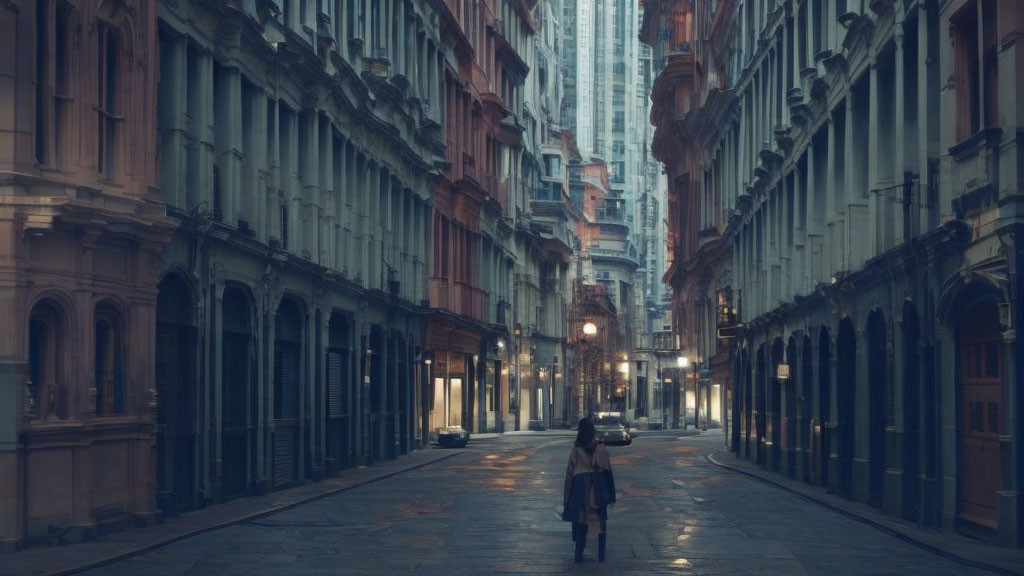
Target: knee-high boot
[600, 547]
[581, 541]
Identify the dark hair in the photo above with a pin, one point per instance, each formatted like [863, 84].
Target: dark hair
[586, 434]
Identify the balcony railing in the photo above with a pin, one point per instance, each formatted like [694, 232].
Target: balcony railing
[458, 298]
[610, 215]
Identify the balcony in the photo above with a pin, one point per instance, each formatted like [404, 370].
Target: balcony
[611, 215]
[458, 298]
[496, 188]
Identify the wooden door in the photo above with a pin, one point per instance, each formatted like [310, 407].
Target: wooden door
[981, 414]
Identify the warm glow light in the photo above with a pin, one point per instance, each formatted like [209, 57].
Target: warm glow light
[624, 368]
[682, 361]
[590, 328]
[782, 371]
[428, 361]
[501, 343]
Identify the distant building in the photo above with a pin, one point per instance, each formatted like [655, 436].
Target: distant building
[605, 105]
[843, 247]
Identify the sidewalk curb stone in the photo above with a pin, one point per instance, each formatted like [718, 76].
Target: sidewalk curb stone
[892, 528]
[386, 470]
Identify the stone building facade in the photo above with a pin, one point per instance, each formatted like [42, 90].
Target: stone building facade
[82, 231]
[847, 175]
[298, 144]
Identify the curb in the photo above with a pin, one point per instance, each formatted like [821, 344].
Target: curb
[239, 520]
[908, 538]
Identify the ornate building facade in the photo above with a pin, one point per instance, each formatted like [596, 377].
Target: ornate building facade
[82, 230]
[298, 150]
[844, 176]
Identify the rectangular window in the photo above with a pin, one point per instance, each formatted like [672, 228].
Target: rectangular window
[108, 103]
[966, 71]
[42, 81]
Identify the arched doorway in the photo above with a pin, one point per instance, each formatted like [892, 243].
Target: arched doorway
[912, 403]
[791, 421]
[878, 404]
[374, 394]
[776, 404]
[175, 392]
[846, 397]
[931, 496]
[339, 393]
[237, 393]
[981, 410]
[762, 408]
[824, 404]
[288, 379]
[806, 405]
[734, 430]
[404, 385]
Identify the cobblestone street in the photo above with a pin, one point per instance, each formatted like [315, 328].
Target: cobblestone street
[492, 509]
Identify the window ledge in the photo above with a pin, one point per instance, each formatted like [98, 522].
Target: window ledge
[986, 137]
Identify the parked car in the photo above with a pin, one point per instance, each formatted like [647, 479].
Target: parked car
[452, 437]
[611, 430]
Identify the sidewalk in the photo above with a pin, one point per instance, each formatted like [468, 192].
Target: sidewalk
[947, 544]
[72, 558]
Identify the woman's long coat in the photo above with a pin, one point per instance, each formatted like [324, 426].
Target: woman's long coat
[578, 497]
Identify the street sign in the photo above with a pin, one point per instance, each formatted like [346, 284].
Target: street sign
[727, 332]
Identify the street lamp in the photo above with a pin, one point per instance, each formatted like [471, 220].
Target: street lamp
[589, 329]
[517, 331]
[624, 369]
[682, 362]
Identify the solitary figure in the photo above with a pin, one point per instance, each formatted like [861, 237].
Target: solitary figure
[589, 488]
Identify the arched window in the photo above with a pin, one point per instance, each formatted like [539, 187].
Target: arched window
[45, 391]
[109, 355]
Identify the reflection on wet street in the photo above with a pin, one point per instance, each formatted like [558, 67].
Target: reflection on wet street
[493, 509]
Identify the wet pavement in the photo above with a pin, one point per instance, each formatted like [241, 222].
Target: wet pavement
[491, 509]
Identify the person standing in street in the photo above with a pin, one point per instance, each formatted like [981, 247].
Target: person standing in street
[589, 488]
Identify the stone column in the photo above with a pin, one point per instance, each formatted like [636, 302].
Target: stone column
[899, 112]
[369, 35]
[341, 31]
[216, 420]
[172, 123]
[874, 149]
[268, 203]
[311, 199]
[813, 34]
[309, 387]
[328, 193]
[401, 38]
[262, 400]
[435, 84]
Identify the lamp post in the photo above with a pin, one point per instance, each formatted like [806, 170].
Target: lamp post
[589, 330]
[428, 402]
[681, 362]
[624, 369]
[517, 331]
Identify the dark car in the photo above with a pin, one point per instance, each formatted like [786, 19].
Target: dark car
[610, 430]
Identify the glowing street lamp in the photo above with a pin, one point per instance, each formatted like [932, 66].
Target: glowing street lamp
[590, 328]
